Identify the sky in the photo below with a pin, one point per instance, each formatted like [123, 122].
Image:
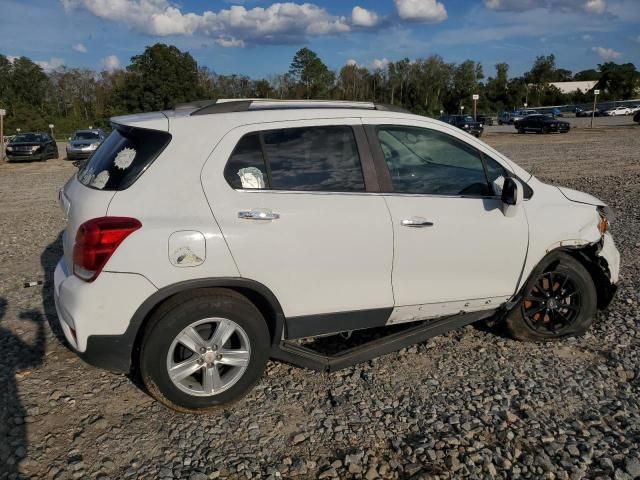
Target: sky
[258, 38]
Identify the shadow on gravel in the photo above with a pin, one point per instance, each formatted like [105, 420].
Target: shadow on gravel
[48, 259]
[17, 357]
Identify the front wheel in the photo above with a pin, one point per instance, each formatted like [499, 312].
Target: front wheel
[204, 350]
[559, 300]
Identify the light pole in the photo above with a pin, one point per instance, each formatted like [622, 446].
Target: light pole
[51, 125]
[475, 104]
[3, 112]
[461, 109]
[593, 110]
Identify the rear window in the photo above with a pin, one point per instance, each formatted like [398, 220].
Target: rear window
[123, 157]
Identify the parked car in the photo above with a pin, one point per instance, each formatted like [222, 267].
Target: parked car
[484, 119]
[617, 111]
[542, 124]
[202, 244]
[31, 146]
[589, 113]
[83, 143]
[634, 108]
[464, 122]
[504, 118]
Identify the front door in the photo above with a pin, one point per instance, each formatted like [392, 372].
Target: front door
[454, 249]
[293, 205]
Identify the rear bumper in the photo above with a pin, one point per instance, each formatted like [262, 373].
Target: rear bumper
[95, 316]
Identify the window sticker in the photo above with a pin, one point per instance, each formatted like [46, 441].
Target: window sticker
[124, 158]
[101, 180]
[251, 177]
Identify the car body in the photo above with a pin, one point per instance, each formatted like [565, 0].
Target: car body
[464, 122]
[31, 146]
[588, 113]
[634, 109]
[636, 117]
[617, 111]
[201, 242]
[83, 143]
[484, 119]
[542, 124]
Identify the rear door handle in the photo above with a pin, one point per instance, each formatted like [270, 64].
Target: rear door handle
[258, 214]
[416, 222]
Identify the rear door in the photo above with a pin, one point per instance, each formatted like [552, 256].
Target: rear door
[296, 204]
[454, 249]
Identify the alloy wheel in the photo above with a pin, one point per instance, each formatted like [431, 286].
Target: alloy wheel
[208, 357]
[553, 304]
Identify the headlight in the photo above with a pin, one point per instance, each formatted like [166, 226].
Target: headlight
[9, 149]
[480, 125]
[466, 126]
[35, 147]
[93, 146]
[606, 217]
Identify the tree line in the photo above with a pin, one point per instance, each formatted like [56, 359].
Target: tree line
[163, 76]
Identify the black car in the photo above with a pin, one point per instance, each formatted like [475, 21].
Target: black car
[636, 117]
[31, 146]
[541, 124]
[484, 119]
[464, 122]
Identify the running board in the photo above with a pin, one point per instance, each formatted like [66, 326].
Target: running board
[301, 356]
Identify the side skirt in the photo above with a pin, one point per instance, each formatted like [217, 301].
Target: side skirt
[296, 354]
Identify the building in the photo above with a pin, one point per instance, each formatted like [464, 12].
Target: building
[570, 87]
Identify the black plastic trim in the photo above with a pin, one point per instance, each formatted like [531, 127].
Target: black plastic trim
[315, 325]
[301, 356]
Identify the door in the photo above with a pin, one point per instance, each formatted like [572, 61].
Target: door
[454, 248]
[296, 211]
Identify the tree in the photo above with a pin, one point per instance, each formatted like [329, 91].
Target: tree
[619, 81]
[160, 78]
[308, 70]
[586, 75]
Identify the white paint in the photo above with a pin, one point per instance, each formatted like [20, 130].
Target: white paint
[414, 313]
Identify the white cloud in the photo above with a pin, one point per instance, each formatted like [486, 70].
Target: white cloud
[278, 23]
[79, 47]
[230, 42]
[110, 63]
[589, 6]
[606, 54]
[361, 17]
[428, 11]
[351, 62]
[587, 37]
[638, 39]
[51, 64]
[379, 63]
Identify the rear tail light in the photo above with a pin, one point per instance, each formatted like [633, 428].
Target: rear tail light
[96, 241]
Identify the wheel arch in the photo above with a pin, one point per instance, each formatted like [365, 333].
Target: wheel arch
[119, 353]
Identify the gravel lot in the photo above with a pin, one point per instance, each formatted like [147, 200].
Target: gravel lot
[471, 404]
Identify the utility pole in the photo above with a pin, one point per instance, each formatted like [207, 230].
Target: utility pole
[593, 110]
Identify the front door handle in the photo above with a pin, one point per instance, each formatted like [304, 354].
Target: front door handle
[416, 222]
[258, 214]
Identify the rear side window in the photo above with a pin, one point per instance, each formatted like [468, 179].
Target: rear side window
[304, 159]
[123, 157]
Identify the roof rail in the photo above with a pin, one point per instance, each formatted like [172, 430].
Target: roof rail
[244, 105]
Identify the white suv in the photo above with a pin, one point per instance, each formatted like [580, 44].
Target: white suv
[203, 241]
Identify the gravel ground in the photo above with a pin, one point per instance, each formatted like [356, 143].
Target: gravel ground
[472, 403]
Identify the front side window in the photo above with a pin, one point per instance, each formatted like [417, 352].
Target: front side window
[302, 159]
[425, 161]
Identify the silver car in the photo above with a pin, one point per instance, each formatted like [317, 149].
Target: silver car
[83, 143]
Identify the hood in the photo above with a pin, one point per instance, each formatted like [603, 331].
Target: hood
[581, 197]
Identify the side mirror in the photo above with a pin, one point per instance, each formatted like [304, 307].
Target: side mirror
[512, 196]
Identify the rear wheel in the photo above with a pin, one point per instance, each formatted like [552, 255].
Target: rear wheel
[204, 350]
[559, 300]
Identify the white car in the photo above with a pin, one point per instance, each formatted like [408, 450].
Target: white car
[201, 242]
[614, 112]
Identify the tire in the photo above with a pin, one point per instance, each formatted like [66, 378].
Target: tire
[536, 319]
[206, 310]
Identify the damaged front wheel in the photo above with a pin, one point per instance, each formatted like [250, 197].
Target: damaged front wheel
[559, 300]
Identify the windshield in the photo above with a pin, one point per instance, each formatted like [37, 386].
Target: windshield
[28, 137]
[86, 136]
[468, 119]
